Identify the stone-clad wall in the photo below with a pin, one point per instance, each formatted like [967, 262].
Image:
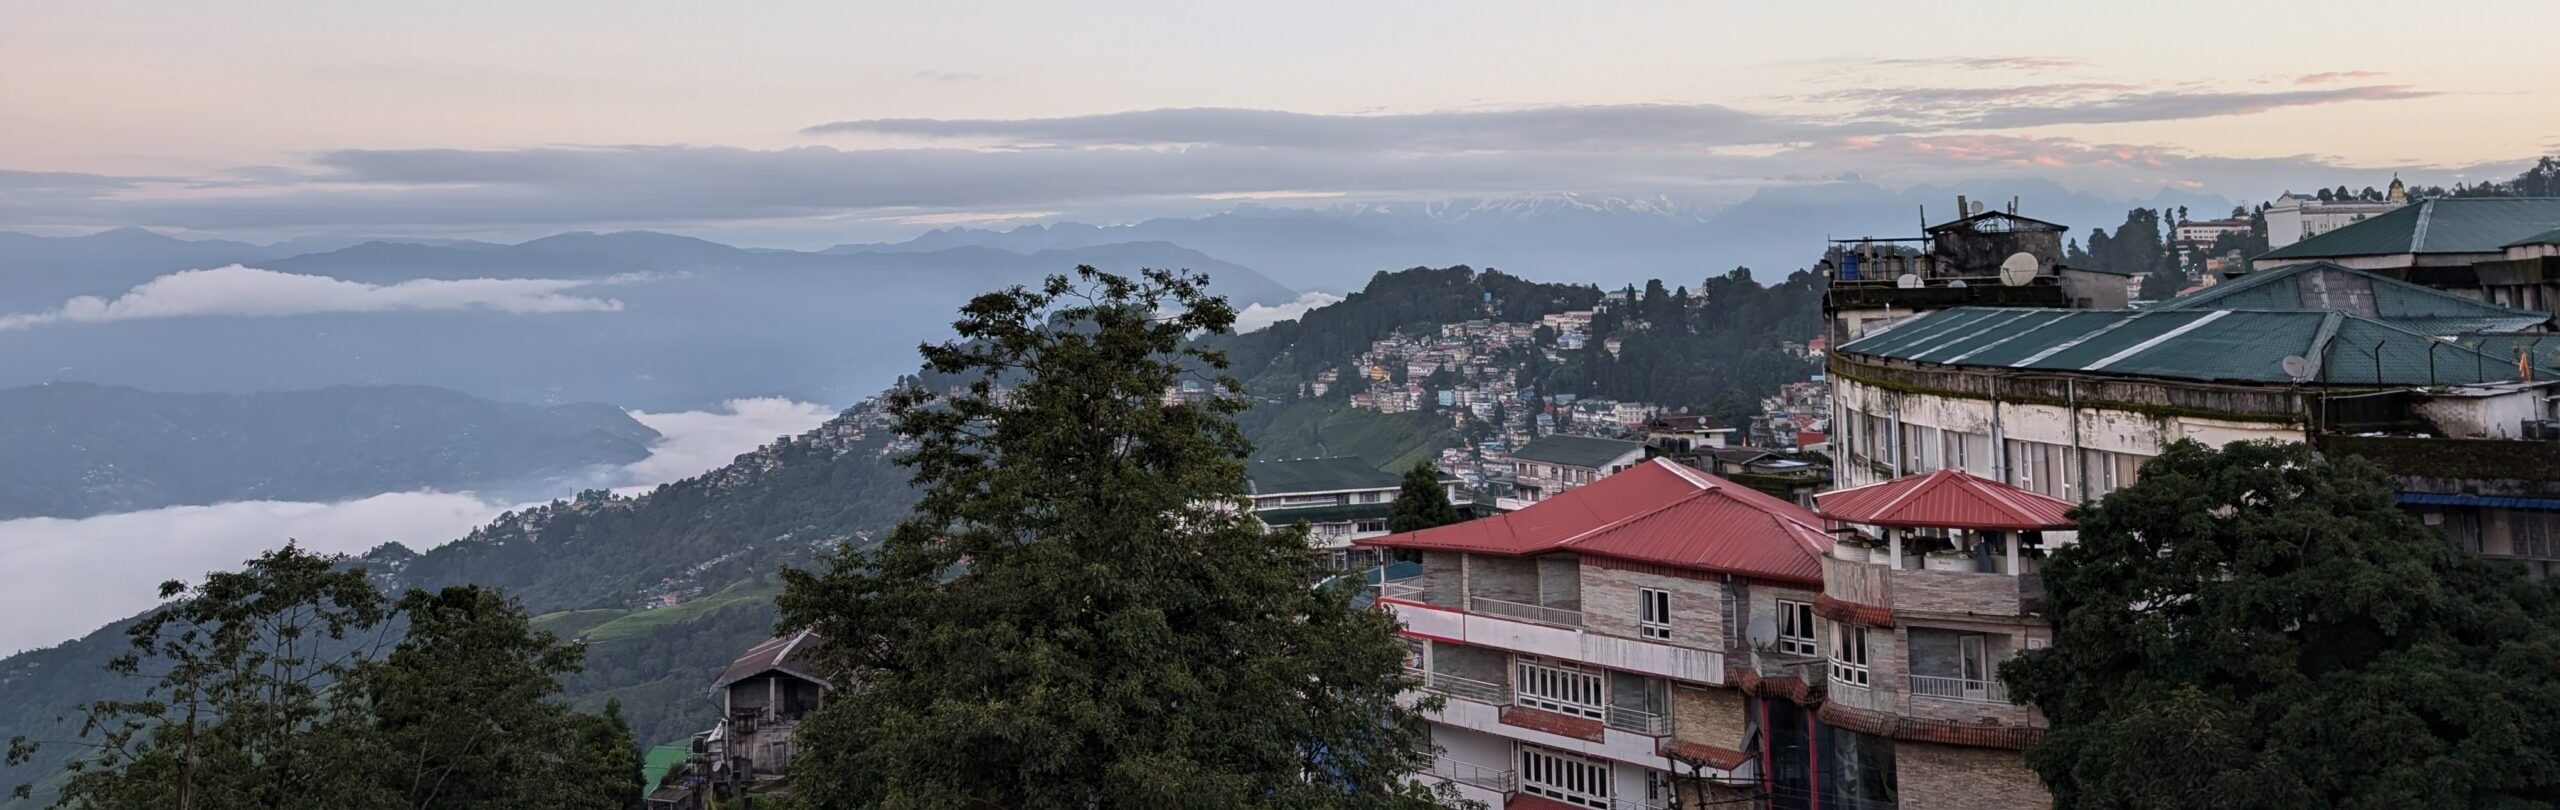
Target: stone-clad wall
[1610, 605]
[1929, 776]
[1707, 716]
[1443, 578]
[1954, 592]
[1510, 579]
[1558, 584]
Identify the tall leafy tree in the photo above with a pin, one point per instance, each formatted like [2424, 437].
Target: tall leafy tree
[295, 683]
[2261, 627]
[1421, 502]
[1076, 616]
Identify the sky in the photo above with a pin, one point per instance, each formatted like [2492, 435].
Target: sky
[62, 578]
[788, 122]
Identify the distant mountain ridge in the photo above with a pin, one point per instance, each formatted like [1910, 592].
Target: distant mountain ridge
[697, 322]
[1604, 239]
[75, 449]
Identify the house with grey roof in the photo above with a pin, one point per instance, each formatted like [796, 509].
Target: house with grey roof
[1340, 498]
[1554, 465]
[764, 695]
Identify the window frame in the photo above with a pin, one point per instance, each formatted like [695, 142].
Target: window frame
[1798, 616]
[1538, 778]
[1559, 687]
[1653, 613]
[1850, 662]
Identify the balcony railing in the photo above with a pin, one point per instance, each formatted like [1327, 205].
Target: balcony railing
[1640, 722]
[1524, 612]
[1401, 589]
[1972, 689]
[1461, 687]
[1500, 780]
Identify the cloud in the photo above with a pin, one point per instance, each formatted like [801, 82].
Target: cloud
[1621, 126]
[948, 76]
[2037, 105]
[2338, 76]
[60, 578]
[1258, 317]
[1989, 62]
[701, 440]
[250, 292]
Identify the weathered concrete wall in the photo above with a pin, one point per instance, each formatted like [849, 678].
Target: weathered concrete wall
[1443, 578]
[1560, 581]
[1510, 579]
[1929, 776]
[1863, 583]
[1474, 663]
[1953, 592]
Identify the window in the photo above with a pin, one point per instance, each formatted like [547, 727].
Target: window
[1369, 526]
[1560, 689]
[1563, 777]
[1732, 619]
[1656, 621]
[2537, 534]
[1372, 497]
[1795, 627]
[1849, 654]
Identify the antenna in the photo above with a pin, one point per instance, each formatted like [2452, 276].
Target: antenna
[2297, 367]
[2019, 269]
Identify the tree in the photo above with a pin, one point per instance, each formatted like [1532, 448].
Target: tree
[2262, 627]
[1421, 503]
[294, 683]
[1076, 616]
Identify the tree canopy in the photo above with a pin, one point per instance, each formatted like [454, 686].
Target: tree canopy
[1076, 616]
[2261, 627]
[1421, 502]
[295, 683]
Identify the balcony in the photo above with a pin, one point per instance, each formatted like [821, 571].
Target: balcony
[1510, 504]
[1637, 722]
[1555, 633]
[1972, 690]
[1499, 780]
[1945, 586]
[1541, 614]
[1463, 688]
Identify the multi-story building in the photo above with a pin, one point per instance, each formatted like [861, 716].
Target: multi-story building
[2201, 233]
[763, 697]
[2293, 217]
[2069, 404]
[1582, 644]
[1554, 465]
[2502, 250]
[1341, 499]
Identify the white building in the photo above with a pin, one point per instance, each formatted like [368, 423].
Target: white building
[2293, 218]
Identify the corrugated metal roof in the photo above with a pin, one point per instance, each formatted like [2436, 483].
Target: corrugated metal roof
[1947, 499]
[2463, 225]
[795, 654]
[2211, 345]
[1333, 474]
[2549, 237]
[1590, 452]
[1657, 512]
[2326, 286]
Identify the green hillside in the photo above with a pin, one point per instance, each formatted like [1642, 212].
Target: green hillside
[1309, 428]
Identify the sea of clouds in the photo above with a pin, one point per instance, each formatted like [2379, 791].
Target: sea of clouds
[62, 578]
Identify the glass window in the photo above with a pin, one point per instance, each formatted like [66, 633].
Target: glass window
[1563, 777]
[1849, 654]
[1561, 689]
[1795, 627]
[1655, 605]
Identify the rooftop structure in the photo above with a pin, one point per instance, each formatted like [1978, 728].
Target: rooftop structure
[2495, 249]
[1987, 258]
[1340, 498]
[1554, 464]
[2329, 286]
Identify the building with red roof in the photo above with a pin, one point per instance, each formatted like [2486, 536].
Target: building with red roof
[1582, 642]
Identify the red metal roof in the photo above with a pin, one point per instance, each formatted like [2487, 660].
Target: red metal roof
[1656, 512]
[1946, 499]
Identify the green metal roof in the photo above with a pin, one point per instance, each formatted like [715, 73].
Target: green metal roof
[1334, 513]
[2463, 225]
[2549, 237]
[2322, 285]
[2218, 345]
[660, 761]
[2544, 346]
[1335, 474]
[1590, 452]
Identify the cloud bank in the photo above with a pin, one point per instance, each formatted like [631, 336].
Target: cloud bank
[62, 578]
[249, 292]
[1258, 317]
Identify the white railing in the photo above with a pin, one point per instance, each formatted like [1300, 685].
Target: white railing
[1461, 687]
[1972, 689]
[1524, 612]
[1640, 722]
[1401, 589]
[1501, 780]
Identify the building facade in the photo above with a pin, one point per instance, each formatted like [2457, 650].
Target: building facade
[2293, 217]
[1341, 499]
[1556, 464]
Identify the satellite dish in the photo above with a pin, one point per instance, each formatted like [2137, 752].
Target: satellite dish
[1906, 281]
[1763, 631]
[1977, 207]
[2297, 367]
[1956, 283]
[2019, 269]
